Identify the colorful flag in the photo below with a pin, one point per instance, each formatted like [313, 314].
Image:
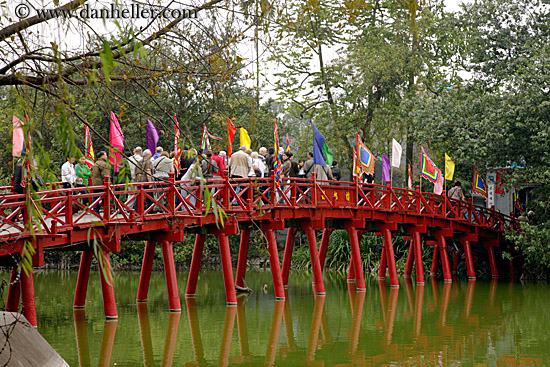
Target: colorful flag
[428, 169]
[438, 186]
[152, 137]
[449, 168]
[396, 151]
[365, 159]
[231, 131]
[410, 181]
[499, 185]
[116, 141]
[478, 184]
[329, 157]
[88, 147]
[177, 148]
[287, 147]
[354, 169]
[205, 141]
[386, 170]
[517, 202]
[318, 142]
[18, 137]
[245, 139]
[276, 158]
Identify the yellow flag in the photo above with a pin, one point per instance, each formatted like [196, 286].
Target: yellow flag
[245, 139]
[449, 168]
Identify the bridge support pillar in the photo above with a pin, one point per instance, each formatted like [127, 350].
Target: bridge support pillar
[227, 268]
[14, 291]
[416, 246]
[146, 267]
[442, 247]
[243, 255]
[388, 256]
[456, 260]
[307, 226]
[351, 271]
[435, 259]
[195, 265]
[82, 280]
[287, 258]
[356, 257]
[106, 275]
[492, 261]
[323, 248]
[418, 265]
[465, 240]
[274, 264]
[409, 262]
[171, 278]
[27, 297]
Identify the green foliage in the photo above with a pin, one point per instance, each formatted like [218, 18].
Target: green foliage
[533, 243]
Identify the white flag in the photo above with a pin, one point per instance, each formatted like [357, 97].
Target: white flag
[396, 151]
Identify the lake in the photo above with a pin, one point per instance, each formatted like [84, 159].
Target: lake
[460, 324]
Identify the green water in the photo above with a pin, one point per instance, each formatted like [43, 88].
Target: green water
[463, 324]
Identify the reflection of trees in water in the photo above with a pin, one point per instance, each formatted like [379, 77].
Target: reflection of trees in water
[435, 324]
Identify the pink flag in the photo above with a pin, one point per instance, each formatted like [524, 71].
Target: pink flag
[410, 183]
[18, 137]
[116, 140]
[438, 186]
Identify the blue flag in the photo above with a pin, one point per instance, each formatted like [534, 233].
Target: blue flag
[318, 142]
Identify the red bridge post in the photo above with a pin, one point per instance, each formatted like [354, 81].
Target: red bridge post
[388, 254]
[171, 278]
[243, 257]
[82, 280]
[287, 258]
[442, 246]
[109, 301]
[27, 296]
[227, 268]
[417, 249]
[465, 240]
[351, 271]
[146, 267]
[489, 246]
[14, 291]
[323, 248]
[410, 254]
[274, 263]
[195, 265]
[356, 256]
[307, 227]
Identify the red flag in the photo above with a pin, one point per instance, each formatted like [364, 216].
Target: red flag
[499, 187]
[231, 131]
[116, 140]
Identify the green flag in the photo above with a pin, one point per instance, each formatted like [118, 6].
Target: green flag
[329, 157]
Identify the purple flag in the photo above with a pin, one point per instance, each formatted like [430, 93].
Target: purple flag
[386, 176]
[152, 136]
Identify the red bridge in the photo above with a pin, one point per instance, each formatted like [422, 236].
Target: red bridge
[73, 220]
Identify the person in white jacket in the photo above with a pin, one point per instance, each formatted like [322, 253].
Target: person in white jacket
[68, 173]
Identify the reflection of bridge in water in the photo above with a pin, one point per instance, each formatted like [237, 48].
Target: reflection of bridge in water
[449, 337]
[68, 220]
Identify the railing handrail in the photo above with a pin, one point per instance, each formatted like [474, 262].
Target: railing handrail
[290, 192]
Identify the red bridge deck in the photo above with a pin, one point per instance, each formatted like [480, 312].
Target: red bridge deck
[71, 219]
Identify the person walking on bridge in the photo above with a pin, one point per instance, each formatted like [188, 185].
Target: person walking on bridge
[134, 161]
[68, 173]
[100, 171]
